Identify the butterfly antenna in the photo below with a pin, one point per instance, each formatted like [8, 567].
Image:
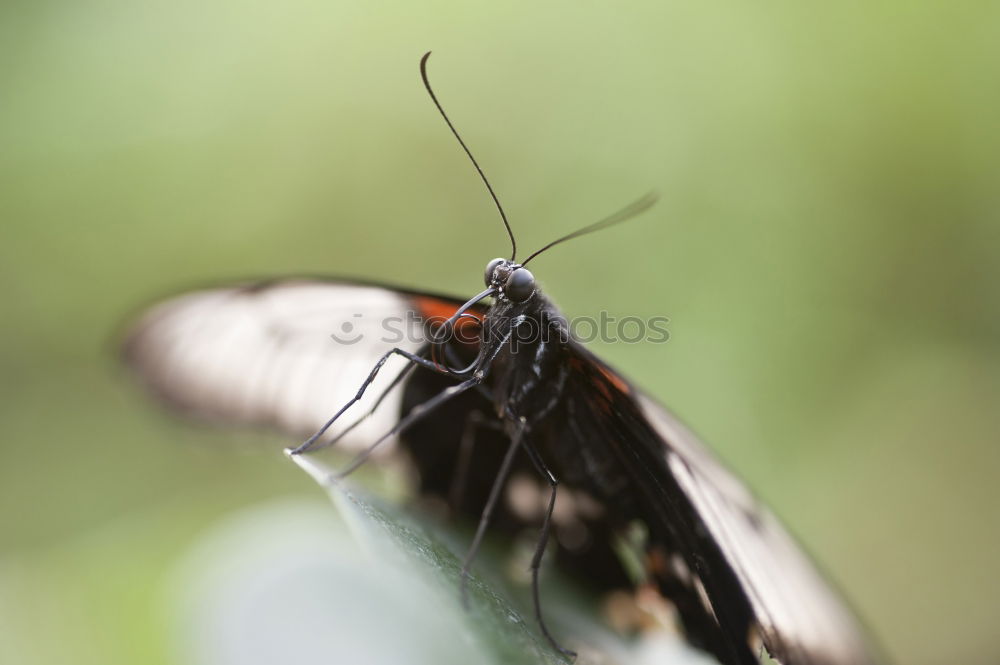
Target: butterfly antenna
[628, 212]
[503, 215]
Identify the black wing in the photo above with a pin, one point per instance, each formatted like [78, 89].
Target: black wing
[737, 577]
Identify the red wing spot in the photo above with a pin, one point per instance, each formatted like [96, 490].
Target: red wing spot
[604, 382]
[603, 387]
[615, 380]
[438, 311]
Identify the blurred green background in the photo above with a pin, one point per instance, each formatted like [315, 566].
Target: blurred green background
[827, 248]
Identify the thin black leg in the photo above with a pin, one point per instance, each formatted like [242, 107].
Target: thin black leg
[473, 422]
[415, 414]
[543, 539]
[413, 358]
[484, 519]
[378, 402]
[395, 382]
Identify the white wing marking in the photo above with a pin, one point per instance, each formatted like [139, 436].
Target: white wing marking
[266, 356]
[800, 618]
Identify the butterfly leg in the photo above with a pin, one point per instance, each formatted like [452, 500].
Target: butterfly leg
[388, 389]
[413, 358]
[543, 539]
[473, 423]
[415, 414]
[484, 519]
[385, 393]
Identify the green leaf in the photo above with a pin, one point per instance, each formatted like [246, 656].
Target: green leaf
[419, 562]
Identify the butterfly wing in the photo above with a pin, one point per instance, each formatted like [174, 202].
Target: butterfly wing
[284, 354]
[753, 577]
[800, 618]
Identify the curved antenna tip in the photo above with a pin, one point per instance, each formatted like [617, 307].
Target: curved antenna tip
[638, 206]
[489, 187]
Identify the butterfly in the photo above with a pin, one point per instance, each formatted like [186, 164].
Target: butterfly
[484, 394]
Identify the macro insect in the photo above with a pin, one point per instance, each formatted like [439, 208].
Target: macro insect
[493, 388]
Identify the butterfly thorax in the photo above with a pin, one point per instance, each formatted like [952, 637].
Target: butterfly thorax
[526, 342]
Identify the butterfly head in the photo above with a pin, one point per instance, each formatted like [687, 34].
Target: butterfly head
[511, 281]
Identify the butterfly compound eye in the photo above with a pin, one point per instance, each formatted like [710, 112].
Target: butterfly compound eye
[491, 269]
[520, 285]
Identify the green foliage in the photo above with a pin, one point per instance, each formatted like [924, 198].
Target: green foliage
[418, 562]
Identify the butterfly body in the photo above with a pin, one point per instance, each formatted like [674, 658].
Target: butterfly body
[582, 421]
